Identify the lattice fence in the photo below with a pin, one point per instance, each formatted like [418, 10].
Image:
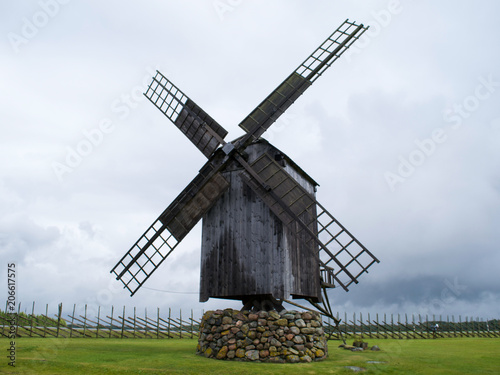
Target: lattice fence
[163, 324]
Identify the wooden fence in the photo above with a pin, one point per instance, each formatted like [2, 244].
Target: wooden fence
[116, 324]
[126, 323]
[398, 326]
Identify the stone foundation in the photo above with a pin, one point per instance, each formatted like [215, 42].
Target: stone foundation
[288, 336]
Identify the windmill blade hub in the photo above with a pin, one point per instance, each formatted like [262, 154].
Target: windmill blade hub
[228, 148]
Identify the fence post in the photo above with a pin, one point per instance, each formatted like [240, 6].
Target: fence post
[168, 326]
[180, 323]
[460, 325]
[17, 319]
[454, 326]
[345, 324]
[123, 322]
[134, 322]
[427, 324]
[399, 326]
[339, 334]
[369, 326]
[72, 320]
[98, 321]
[361, 324]
[448, 327]
[192, 323]
[384, 327]
[158, 323]
[418, 322]
[59, 318]
[392, 327]
[111, 321]
[413, 325]
[354, 330]
[31, 320]
[45, 320]
[85, 322]
[407, 330]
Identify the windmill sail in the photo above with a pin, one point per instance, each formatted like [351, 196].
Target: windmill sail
[267, 112]
[330, 50]
[145, 256]
[201, 129]
[196, 199]
[161, 238]
[342, 257]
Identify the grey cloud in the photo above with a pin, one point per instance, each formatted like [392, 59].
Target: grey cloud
[347, 131]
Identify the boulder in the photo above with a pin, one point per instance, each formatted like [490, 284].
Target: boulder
[292, 358]
[222, 352]
[252, 355]
[300, 323]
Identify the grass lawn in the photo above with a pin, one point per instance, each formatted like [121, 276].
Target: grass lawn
[150, 356]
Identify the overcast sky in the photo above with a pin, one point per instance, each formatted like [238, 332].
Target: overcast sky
[402, 134]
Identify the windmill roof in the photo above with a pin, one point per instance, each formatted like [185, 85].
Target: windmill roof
[287, 158]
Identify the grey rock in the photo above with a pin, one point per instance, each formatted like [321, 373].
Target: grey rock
[298, 340]
[275, 342]
[292, 358]
[252, 355]
[274, 315]
[300, 323]
[308, 330]
[293, 351]
[306, 359]
[288, 343]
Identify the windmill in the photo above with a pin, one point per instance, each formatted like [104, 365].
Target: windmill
[264, 236]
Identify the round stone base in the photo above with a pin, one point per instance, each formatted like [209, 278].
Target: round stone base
[285, 337]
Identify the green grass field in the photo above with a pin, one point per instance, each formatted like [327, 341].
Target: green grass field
[142, 356]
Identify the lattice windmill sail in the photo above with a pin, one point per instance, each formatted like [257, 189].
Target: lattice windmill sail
[264, 236]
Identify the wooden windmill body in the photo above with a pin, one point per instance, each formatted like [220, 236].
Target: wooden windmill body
[247, 251]
[265, 237]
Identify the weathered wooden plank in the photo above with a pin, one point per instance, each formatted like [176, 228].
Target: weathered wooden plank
[246, 249]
